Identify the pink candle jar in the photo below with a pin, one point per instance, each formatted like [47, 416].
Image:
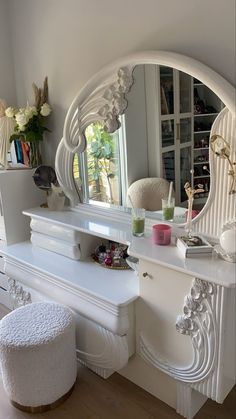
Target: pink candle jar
[161, 234]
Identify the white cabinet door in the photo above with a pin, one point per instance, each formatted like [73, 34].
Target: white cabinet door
[162, 293]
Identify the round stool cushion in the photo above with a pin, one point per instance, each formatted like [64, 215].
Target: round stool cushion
[38, 353]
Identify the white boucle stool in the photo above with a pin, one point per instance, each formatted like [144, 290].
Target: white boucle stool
[38, 355]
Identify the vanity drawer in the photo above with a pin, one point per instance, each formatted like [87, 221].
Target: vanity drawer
[3, 281]
[2, 262]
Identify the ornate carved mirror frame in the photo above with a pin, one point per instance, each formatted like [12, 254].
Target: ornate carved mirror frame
[103, 99]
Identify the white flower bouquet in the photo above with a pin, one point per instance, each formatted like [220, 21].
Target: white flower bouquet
[30, 126]
[30, 120]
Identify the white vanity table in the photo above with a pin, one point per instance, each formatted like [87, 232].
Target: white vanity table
[171, 329]
[120, 315]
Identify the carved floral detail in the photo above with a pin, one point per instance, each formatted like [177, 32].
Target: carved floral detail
[18, 295]
[194, 304]
[199, 323]
[116, 100]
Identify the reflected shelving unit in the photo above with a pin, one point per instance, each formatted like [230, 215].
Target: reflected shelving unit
[206, 107]
[188, 109]
[176, 128]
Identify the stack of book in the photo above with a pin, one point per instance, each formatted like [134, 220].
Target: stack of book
[194, 246]
[19, 154]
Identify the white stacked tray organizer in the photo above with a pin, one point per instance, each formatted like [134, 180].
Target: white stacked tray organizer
[17, 192]
[62, 240]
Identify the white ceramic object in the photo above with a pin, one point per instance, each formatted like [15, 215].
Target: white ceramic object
[56, 198]
[228, 241]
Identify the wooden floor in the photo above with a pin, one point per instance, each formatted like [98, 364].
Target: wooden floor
[115, 398]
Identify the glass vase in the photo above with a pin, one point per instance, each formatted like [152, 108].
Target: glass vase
[35, 158]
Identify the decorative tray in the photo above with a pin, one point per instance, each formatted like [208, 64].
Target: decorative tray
[122, 266]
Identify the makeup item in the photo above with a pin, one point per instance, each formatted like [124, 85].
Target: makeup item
[108, 258]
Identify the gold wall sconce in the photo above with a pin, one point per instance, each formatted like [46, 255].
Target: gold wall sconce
[221, 148]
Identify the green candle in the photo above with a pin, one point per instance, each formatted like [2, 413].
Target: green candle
[138, 226]
[168, 213]
[168, 208]
[138, 221]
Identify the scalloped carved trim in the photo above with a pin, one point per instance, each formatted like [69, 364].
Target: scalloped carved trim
[221, 206]
[64, 161]
[104, 103]
[18, 295]
[103, 372]
[116, 102]
[201, 308]
[114, 356]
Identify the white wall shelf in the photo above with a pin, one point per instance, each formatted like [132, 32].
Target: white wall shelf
[208, 268]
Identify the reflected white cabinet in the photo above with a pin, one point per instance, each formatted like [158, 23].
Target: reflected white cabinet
[207, 106]
[180, 113]
[169, 99]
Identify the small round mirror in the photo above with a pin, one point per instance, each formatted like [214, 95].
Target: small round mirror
[44, 176]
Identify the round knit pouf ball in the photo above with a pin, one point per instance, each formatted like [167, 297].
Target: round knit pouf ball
[38, 355]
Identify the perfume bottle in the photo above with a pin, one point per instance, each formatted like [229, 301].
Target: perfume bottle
[108, 258]
[116, 257]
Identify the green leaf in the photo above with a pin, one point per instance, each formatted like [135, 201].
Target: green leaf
[31, 136]
[14, 137]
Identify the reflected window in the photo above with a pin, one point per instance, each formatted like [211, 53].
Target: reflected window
[99, 167]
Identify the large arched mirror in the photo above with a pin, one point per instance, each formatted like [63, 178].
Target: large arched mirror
[164, 133]
[149, 115]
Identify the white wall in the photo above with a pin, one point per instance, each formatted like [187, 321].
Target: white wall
[7, 81]
[69, 40]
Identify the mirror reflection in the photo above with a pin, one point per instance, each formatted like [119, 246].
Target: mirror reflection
[163, 138]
